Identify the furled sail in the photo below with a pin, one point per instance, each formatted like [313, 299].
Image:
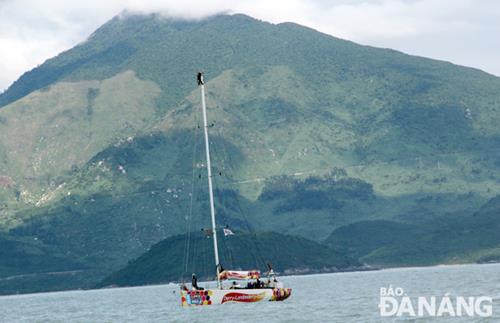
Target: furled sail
[233, 274]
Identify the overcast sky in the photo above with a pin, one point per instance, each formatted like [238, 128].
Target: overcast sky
[465, 32]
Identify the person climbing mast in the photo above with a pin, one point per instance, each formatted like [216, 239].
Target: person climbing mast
[200, 78]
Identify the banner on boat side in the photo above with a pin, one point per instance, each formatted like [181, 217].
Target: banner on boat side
[242, 297]
[196, 297]
[233, 274]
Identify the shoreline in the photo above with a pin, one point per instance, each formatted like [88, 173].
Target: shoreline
[361, 269]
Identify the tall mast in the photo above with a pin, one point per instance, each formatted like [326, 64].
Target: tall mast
[210, 190]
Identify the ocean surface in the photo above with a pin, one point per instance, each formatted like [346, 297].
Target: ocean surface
[339, 297]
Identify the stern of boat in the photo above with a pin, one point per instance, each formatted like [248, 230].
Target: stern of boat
[196, 297]
[280, 294]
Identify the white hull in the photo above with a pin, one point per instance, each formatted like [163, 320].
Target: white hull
[222, 296]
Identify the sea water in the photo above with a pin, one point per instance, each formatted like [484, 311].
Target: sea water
[339, 297]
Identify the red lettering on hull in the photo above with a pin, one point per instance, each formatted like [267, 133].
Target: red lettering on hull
[241, 297]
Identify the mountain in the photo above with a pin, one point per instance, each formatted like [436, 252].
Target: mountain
[309, 134]
[166, 261]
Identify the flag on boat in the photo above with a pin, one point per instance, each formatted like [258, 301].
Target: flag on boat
[242, 274]
[228, 232]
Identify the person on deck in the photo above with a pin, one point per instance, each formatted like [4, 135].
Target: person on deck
[199, 77]
[194, 283]
[235, 285]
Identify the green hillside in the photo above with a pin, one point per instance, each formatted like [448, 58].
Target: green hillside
[449, 240]
[309, 134]
[31, 266]
[167, 260]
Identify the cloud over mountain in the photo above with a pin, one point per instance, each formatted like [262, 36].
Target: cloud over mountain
[459, 31]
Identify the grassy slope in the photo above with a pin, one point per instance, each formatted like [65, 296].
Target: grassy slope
[49, 134]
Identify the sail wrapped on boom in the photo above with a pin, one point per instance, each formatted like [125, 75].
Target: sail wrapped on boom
[235, 274]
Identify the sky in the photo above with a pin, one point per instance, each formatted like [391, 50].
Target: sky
[464, 32]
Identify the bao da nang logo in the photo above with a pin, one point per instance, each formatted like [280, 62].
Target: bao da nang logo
[395, 302]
